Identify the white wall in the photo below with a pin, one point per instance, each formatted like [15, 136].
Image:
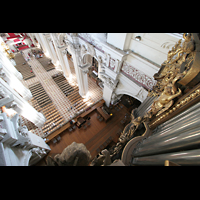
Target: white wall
[117, 39]
[153, 46]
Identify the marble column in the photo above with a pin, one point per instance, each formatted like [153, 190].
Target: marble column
[67, 67]
[9, 66]
[81, 76]
[14, 82]
[53, 52]
[32, 38]
[48, 48]
[109, 87]
[40, 41]
[53, 37]
[21, 106]
[107, 94]
[63, 62]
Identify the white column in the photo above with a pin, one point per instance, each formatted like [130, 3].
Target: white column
[107, 94]
[40, 41]
[32, 38]
[21, 106]
[101, 67]
[55, 45]
[82, 78]
[85, 83]
[54, 56]
[53, 50]
[14, 82]
[8, 64]
[109, 87]
[48, 48]
[64, 63]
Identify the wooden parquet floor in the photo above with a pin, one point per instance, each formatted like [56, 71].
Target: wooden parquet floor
[96, 136]
[44, 61]
[42, 102]
[71, 92]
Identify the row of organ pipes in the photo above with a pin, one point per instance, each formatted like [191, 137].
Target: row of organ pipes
[176, 140]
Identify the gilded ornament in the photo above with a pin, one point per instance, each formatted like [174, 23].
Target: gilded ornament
[174, 108]
[198, 91]
[193, 95]
[165, 101]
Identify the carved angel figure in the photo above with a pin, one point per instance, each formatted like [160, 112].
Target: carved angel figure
[164, 101]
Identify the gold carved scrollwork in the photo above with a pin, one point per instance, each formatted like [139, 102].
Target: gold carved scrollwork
[7, 50]
[182, 60]
[182, 68]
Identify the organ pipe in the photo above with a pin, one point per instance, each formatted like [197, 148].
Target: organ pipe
[185, 140]
[190, 157]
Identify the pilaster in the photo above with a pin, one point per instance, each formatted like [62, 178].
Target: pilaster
[109, 87]
[41, 42]
[54, 57]
[47, 47]
[81, 75]
[67, 67]
[32, 38]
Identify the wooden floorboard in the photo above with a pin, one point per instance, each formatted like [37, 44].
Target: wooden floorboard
[94, 136]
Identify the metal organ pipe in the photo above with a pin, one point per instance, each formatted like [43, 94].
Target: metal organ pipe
[175, 130]
[182, 117]
[190, 157]
[182, 132]
[185, 140]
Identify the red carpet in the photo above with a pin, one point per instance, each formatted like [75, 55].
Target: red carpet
[19, 40]
[16, 40]
[12, 35]
[24, 38]
[24, 47]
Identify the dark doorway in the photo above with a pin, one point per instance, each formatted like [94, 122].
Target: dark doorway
[130, 102]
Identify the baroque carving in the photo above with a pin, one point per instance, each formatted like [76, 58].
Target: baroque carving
[167, 44]
[179, 62]
[87, 37]
[61, 38]
[38, 151]
[91, 50]
[7, 50]
[111, 83]
[179, 104]
[103, 159]
[112, 63]
[138, 76]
